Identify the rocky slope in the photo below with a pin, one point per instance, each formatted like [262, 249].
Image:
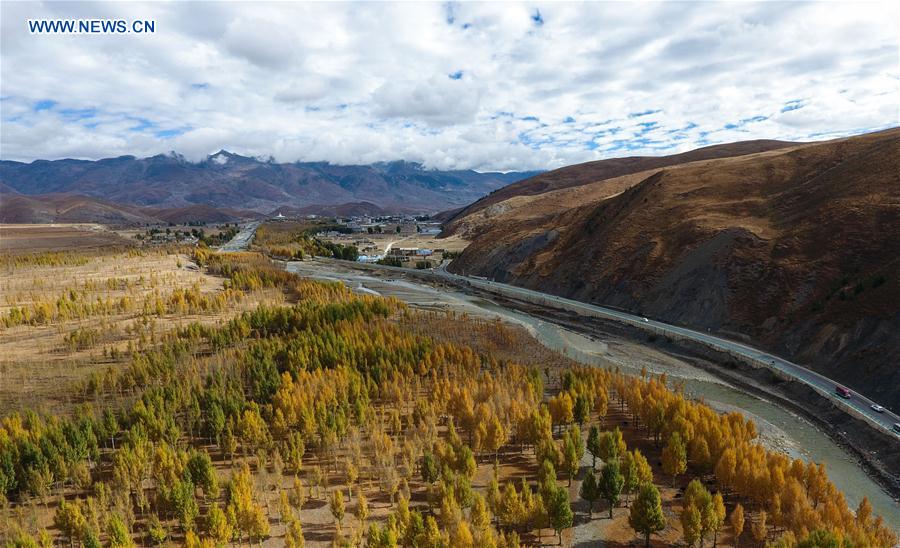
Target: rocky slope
[795, 248]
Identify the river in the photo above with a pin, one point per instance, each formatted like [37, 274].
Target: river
[778, 427]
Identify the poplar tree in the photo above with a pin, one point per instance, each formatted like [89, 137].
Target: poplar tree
[737, 522]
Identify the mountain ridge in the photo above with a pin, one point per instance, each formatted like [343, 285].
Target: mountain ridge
[229, 180]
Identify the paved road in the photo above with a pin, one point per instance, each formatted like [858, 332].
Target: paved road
[857, 405]
[242, 239]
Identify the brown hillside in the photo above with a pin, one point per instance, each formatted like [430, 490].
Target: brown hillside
[71, 208]
[795, 248]
[199, 213]
[68, 208]
[600, 170]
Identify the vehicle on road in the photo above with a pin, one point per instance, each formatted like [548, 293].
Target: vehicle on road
[842, 392]
[877, 408]
[645, 319]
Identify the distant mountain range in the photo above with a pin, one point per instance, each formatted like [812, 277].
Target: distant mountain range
[792, 245]
[226, 180]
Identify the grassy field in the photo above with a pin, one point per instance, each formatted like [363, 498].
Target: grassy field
[44, 363]
[58, 237]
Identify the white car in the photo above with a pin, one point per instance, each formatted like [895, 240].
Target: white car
[877, 408]
[646, 320]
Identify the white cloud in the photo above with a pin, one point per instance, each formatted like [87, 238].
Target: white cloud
[364, 82]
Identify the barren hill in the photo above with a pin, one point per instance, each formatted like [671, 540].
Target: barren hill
[601, 170]
[71, 208]
[794, 247]
[67, 208]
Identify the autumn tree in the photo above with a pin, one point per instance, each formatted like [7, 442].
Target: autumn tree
[480, 515]
[674, 457]
[562, 409]
[117, 533]
[336, 505]
[601, 399]
[570, 459]
[759, 529]
[713, 516]
[218, 527]
[737, 522]
[156, 531]
[248, 515]
[293, 535]
[691, 524]
[510, 509]
[362, 507]
[629, 474]
[69, 519]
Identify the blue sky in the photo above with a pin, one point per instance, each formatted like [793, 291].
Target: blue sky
[454, 85]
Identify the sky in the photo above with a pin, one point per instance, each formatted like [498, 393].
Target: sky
[486, 86]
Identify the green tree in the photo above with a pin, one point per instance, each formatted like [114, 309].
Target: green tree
[560, 511]
[821, 538]
[429, 468]
[203, 474]
[590, 491]
[582, 409]
[691, 524]
[611, 482]
[186, 508]
[646, 515]
[91, 540]
[593, 445]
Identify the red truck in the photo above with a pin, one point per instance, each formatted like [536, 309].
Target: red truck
[842, 391]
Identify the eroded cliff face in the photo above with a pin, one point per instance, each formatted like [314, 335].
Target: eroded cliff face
[795, 249]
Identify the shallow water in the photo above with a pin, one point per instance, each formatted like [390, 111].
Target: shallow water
[798, 437]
